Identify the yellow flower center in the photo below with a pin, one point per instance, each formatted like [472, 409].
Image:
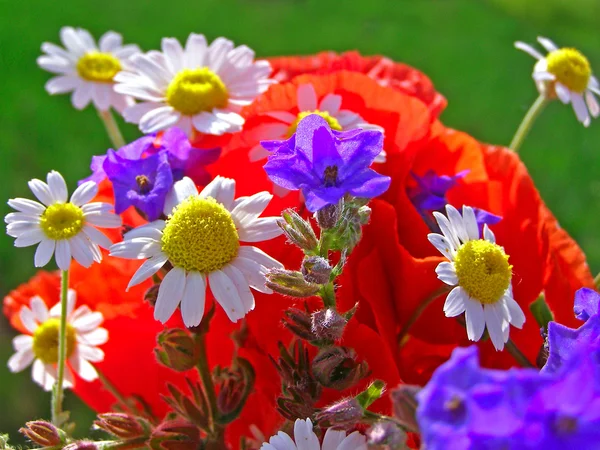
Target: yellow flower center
[45, 341]
[483, 270]
[331, 121]
[196, 90]
[99, 67]
[570, 68]
[200, 235]
[62, 221]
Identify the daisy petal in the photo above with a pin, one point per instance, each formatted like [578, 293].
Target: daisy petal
[169, 294]
[181, 190]
[475, 319]
[84, 193]
[493, 322]
[226, 295]
[307, 97]
[63, 254]
[193, 301]
[446, 273]
[146, 270]
[21, 360]
[517, 316]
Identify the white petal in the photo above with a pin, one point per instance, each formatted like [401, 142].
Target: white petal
[81, 251]
[181, 190]
[307, 97]
[442, 244]
[22, 342]
[470, 222]
[547, 44]
[137, 248]
[580, 109]
[222, 190]
[333, 439]
[146, 270]
[226, 295]
[208, 123]
[354, 441]
[103, 220]
[82, 95]
[284, 116]
[169, 294]
[97, 237]
[101, 96]
[250, 208]
[256, 254]
[493, 321]
[447, 230]
[40, 375]
[90, 353]
[562, 92]
[592, 104]
[304, 436]
[217, 53]
[84, 193]
[28, 319]
[26, 206]
[56, 65]
[543, 76]
[150, 230]
[231, 117]
[456, 221]
[488, 234]
[16, 229]
[83, 368]
[63, 254]
[98, 336]
[517, 316]
[20, 360]
[42, 191]
[88, 322]
[331, 103]
[445, 272]
[455, 302]
[529, 49]
[159, 119]
[62, 84]
[22, 217]
[174, 54]
[193, 301]
[39, 309]
[110, 41]
[242, 287]
[253, 272]
[475, 319]
[261, 229]
[195, 51]
[97, 207]
[30, 237]
[134, 113]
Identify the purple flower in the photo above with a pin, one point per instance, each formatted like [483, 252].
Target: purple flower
[587, 303]
[326, 164]
[143, 183]
[429, 195]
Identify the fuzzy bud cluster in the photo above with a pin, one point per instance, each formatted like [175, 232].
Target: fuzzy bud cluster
[290, 283]
[337, 367]
[298, 231]
[316, 270]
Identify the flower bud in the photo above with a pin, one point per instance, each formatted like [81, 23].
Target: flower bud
[344, 412]
[177, 349]
[235, 386]
[81, 445]
[176, 435]
[328, 324]
[43, 433]
[316, 270]
[152, 294]
[386, 434]
[291, 283]
[337, 368]
[122, 425]
[328, 216]
[298, 231]
[299, 323]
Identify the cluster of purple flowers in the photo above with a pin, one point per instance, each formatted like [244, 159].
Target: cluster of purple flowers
[429, 195]
[467, 407]
[326, 164]
[143, 172]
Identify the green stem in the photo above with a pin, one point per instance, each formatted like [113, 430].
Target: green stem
[517, 354]
[57, 397]
[112, 128]
[327, 293]
[527, 122]
[422, 306]
[115, 392]
[206, 378]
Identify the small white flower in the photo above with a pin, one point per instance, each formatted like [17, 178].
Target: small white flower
[328, 108]
[481, 274]
[66, 228]
[201, 87]
[86, 70]
[565, 73]
[306, 439]
[40, 346]
[201, 239]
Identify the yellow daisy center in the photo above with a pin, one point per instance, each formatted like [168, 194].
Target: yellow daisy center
[99, 67]
[62, 221]
[196, 90]
[331, 121]
[45, 341]
[483, 270]
[200, 235]
[570, 68]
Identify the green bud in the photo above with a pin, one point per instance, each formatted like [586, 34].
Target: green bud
[177, 350]
[291, 283]
[298, 231]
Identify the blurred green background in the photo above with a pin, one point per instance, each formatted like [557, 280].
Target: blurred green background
[465, 46]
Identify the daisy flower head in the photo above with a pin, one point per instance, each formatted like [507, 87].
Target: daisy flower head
[200, 87]
[202, 240]
[40, 345]
[306, 439]
[60, 226]
[328, 107]
[565, 73]
[87, 69]
[480, 273]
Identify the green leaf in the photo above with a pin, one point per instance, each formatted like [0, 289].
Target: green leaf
[372, 393]
[541, 312]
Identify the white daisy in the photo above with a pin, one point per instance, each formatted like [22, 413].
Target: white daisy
[66, 228]
[86, 70]
[201, 239]
[200, 87]
[40, 346]
[328, 108]
[565, 73]
[306, 439]
[481, 274]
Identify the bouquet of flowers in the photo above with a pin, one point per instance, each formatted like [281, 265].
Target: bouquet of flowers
[298, 255]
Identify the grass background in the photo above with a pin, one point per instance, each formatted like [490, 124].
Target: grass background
[465, 46]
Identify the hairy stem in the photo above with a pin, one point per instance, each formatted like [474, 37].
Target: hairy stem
[528, 122]
[422, 306]
[517, 354]
[58, 392]
[112, 128]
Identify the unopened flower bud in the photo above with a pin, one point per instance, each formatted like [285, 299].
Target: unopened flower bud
[176, 435]
[337, 368]
[177, 349]
[81, 445]
[386, 435]
[328, 216]
[297, 230]
[299, 322]
[289, 282]
[236, 384]
[328, 324]
[152, 294]
[345, 412]
[43, 433]
[122, 425]
[316, 270]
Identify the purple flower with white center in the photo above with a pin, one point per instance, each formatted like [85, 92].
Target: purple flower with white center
[326, 164]
[429, 195]
[142, 183]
